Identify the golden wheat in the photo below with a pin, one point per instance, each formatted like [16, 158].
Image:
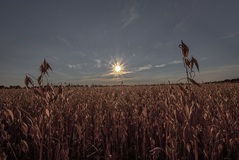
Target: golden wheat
[126, 122]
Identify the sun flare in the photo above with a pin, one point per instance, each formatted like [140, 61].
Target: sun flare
[117, 68]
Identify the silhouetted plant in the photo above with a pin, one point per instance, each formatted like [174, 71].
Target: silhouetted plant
[44, 67]
[188, 64]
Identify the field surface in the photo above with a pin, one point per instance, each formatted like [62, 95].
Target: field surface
[121, 122]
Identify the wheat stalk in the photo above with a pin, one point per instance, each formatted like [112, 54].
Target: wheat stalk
[28, 81]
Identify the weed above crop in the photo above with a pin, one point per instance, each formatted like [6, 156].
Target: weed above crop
[189, 64]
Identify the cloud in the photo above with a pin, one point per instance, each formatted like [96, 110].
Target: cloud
[160, 66]
[175, 62]
[230, 35]
[98, 63]
[74, 66]
[129, 15]
[146, 67]
[204, 58]
[65, 41]
[182, 25]
[149, 66]
[112, 74]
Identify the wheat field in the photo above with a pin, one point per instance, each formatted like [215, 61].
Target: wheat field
[121, 122]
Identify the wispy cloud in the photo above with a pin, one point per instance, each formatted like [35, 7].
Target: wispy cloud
[150, 66]
[182, 25]
[175, 62]
[64, 40]
[129, 15]
[74, 66]
[146, 67]
[230, 35]
[160, 66]
[112, 74]
[163, 45]
[98, 63]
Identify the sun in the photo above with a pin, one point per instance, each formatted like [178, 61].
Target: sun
[117, 68]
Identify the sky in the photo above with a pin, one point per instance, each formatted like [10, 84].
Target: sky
[82, 39]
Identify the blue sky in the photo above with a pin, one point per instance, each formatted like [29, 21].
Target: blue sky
[82, 39]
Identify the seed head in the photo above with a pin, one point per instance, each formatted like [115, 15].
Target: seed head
[184, 49]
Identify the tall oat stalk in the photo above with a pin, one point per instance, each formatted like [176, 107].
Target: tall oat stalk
[188, 64]
[46, 97]
[44, 67]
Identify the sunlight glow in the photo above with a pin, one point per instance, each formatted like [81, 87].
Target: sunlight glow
[117, 68]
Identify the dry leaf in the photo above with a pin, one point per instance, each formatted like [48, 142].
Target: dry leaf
[40, 80]
[156, 150]
[24, 128]
[194, 61]
[183, 90]
[28, 81]
[47, 112]
[24, 146]
[9, 115]
[57, 151]
[18, 114]
[194, 82]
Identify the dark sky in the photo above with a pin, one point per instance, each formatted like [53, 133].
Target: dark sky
[81, 39]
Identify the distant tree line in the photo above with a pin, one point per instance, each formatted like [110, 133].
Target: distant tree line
[94, 85]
